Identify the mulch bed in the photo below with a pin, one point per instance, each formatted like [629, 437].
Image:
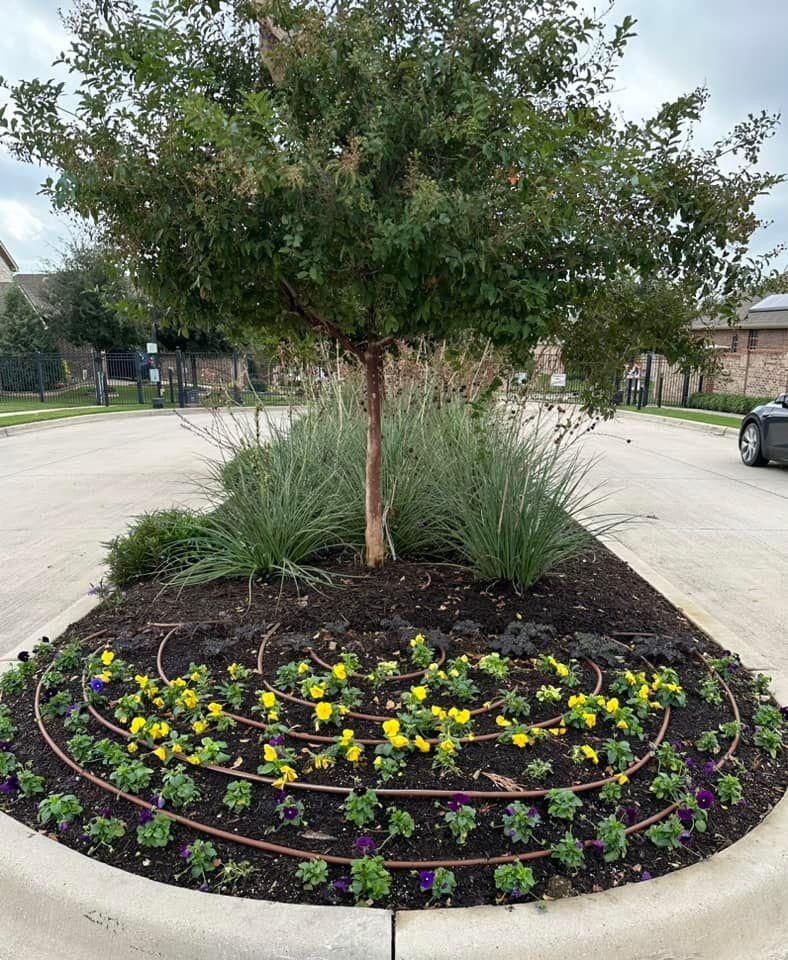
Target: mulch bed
[371, 613]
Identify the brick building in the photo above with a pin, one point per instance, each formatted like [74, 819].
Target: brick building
[753, 353]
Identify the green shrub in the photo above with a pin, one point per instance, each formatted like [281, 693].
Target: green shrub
[154, 541]
[726, 402]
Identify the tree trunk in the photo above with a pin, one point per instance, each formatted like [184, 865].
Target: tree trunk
[375, 546]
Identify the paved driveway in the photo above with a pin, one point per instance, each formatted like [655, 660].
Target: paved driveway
[715, 529]
[66, 490]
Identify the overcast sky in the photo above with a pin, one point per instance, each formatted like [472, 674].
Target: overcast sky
[737, 49]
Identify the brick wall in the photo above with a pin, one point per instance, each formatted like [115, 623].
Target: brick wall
[758, 372]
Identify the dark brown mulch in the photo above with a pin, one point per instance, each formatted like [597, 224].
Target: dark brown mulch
[597, 595]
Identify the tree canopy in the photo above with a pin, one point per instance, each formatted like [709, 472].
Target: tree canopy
[373, 170]
[22, 329]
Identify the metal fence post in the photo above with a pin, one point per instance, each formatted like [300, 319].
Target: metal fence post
[172, 389]
[140, 392]
[236, 387]
[97, 380]
[659, 390]
[646, 383]
[40, 375]
[179, 372]
[685, 389]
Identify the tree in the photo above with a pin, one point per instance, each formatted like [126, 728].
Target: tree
[85, 297]
[372, 170]
[21, 328]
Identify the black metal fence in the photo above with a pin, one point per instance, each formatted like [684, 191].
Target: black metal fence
[38, 381]
[650, 380]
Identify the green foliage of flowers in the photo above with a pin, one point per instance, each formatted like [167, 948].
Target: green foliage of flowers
[7, 726]
[179, 788]
[710, 691]
[667, 786]
[132, 776]
[708, 742]
[619, 753]
[359, 807]
[519, 821]
[60, 808]
[238, 796]
[668, 758]
[549, 694]
[514, 704]
[568, 851]
[514, 879]
[768, 716]
[156, 832]
[666, 833]
[539, 769]
[312, 874]
[401, 823]
[8, 763]
[30, 783]
[495, 666]
[57, 705]
[81, 747]
[202, 859]
[104, 831]
[562, 803]
[461, 823]
[768, 739]
[153, 542]
[612, 832]
[610, 793]
[444, 883]
[729, 789]
[369, 879]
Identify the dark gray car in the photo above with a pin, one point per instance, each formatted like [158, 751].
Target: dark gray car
[764, 433]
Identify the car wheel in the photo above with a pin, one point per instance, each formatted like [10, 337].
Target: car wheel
[750, 446]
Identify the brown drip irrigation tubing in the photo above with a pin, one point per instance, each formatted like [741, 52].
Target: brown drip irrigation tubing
[397, 792]
[280, 849]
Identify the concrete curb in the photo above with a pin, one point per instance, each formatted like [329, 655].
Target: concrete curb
[709, 428]
[57, 903]
[731, 907]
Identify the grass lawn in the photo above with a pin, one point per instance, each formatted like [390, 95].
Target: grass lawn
[699, 416]
[62, 414]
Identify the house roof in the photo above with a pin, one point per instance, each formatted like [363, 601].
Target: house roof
[10, 262]
[33, 285]
[768, 314]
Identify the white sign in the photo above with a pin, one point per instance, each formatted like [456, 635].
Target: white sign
[152, 347]
[154, 375]
[558, 380]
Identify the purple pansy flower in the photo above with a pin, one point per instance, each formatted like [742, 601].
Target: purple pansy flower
[158, 801]
[459, 800]
[5, 746]
[685, 815]
[106, 813]
[705, 799]
[685, 839]
[276, 741]
[342, 884]
[185, 851]
[72, 709]
[204, 888]
[598, 845]
[426, 880]
[10, 785]
[631, 815]
[23, 655]
[533, 812]
[63, 826]
[709, 767]
[145, 816]
[365, 845]
[96, 684]
[645, 875]
[290, 813]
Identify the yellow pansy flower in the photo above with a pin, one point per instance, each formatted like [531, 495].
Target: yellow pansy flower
[215, 709]
[590, 754]
[391, 728]
[177, 748]
[317, 692]
[199, 726]
[520, 740]
[612, 705]
[269, 753]
[142, 680]
[419, 693]
[161, 753]
[576, 700]
[398, 741]
[322, 762]
[137, 724]
[347, 735]
[178, 682]
[438, 712]
[462, 717]
[623, 779]
[589, 719]
[417, 640]
[195, 676]
[193, 759]
[447, 746]
[107, 657]
[132, 748]
[268, 700]
[158, 703]
[622, 725]
[190, 699]
[501, 721]
[421, 744]
[323, 710]
[340, 671]
[562, 670]
[303, 667]
[288, 774]
[557, 731]
[106, 676]
[353, 754]
[644, 691]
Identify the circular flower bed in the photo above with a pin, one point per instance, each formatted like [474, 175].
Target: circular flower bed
[434, 758]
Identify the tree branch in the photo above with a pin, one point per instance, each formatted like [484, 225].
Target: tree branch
[320, 323]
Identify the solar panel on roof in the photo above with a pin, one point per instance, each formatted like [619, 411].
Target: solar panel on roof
[777, 301]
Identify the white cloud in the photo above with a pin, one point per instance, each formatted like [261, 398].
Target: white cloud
[18, 222]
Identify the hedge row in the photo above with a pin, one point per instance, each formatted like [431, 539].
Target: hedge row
[726, 402]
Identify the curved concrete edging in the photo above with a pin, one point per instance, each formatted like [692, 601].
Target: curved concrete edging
[55, 902]
[716, 429]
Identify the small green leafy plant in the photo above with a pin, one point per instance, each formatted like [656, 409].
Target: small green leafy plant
[563, 803]
[312, 874]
